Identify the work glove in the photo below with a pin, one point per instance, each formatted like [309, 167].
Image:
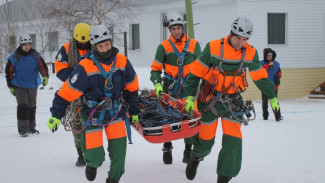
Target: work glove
[277, 79]
[53, 123]
[158, 89]
[45, 80]
[135, 119]
[274, 104]
[190, 104]
[12, 90]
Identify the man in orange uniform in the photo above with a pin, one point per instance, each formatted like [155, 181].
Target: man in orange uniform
[69, 55]
[102, 80]
[175, 56]
[222, 65]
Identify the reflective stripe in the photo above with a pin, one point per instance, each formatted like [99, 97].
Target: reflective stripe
[231, 128]
[259, 74]
[94, 138]
[230, 61]
[232, 120]
[116, 130]
[94, 73]
[94, 130]
[159, 62]
[67, 93]
[208, 131]
[203, 64]
[256, 69]
[70, 86]
[133, 85]
[199, 69]
[59, 65]
[167, 53]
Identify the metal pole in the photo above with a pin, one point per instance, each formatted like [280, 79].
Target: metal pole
[125, 45]
[189, 18]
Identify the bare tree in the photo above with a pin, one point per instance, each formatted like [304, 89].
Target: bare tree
[112, 13]
[70, 12]
[8, 32]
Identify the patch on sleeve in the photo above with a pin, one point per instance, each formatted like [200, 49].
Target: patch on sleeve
[59, 58]
[74, 78]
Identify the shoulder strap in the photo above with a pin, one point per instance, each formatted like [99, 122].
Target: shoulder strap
[241, 68]
[221, 57]
[108, 76]
[180, 56]
[86, 56]
[184, 49]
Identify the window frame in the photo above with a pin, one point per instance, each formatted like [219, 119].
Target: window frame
[33, 36]
[52, 37]
[277, 34]
[135, 36]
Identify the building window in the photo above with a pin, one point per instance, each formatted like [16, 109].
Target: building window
[135, 36]
[33, 40]
[52, 41]
[276, 28]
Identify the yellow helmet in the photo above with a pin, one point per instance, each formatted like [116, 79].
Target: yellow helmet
[81, 32]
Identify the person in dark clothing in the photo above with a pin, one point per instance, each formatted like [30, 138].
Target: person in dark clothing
[68, 57]
[274, 74]
[102, 80]
[23, 71]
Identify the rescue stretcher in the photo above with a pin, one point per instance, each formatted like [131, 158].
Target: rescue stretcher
[188, 127]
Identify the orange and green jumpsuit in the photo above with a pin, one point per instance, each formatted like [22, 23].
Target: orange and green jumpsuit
[229, 68]
[86, 81]
[167, 60]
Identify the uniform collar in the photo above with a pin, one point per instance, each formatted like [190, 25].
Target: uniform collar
[228, 42]
[183, 40]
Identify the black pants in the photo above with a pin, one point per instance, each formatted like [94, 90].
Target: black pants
[265, 104]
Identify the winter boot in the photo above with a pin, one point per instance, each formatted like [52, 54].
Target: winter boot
[91, 173]
[32, 122]
[167, 155]
[186, 155]
[80, 162]
[24, 134]
[191, 167]
[33, 131]
[223, 179]
[109, 180]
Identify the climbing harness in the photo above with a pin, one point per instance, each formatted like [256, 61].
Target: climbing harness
[233, 103]
[178, 82]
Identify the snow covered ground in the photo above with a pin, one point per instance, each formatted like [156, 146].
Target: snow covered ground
[290, 151]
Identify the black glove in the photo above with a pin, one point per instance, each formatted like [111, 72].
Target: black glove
[277, 79]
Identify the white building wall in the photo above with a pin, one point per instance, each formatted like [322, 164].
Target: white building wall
[213, 19]
[305, 38]
[305, 45]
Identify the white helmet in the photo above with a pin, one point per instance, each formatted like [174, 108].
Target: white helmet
[25, 39]
[242, 26]
[175, 19]
[99, 33]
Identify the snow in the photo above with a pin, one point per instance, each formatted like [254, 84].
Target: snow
[290, 151]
